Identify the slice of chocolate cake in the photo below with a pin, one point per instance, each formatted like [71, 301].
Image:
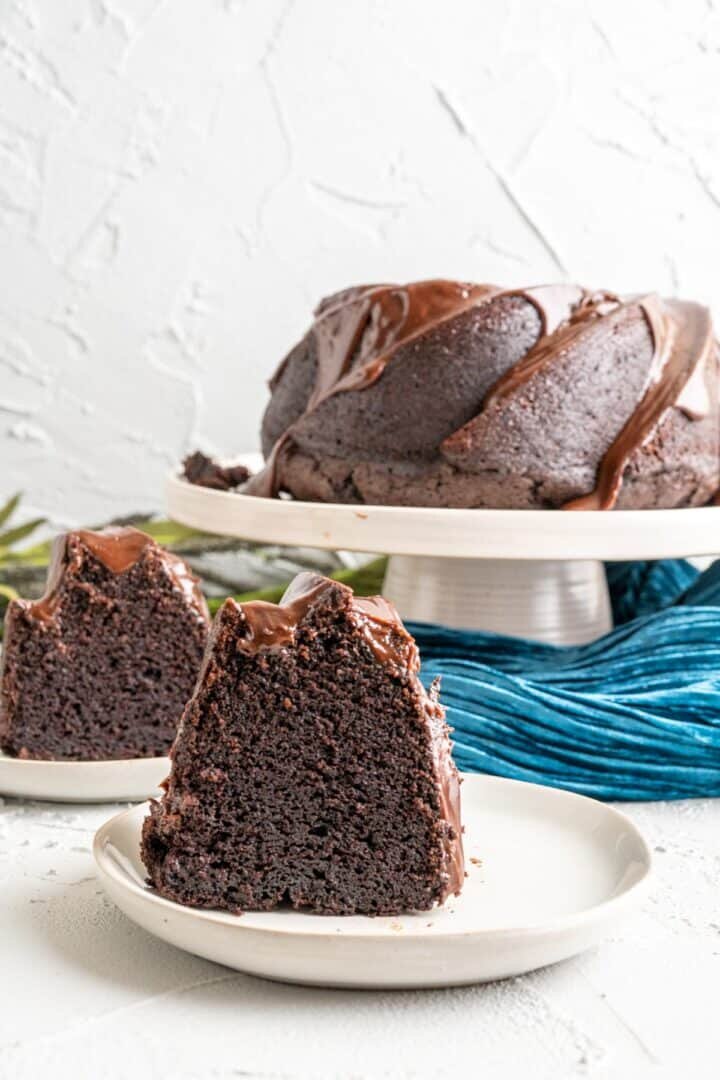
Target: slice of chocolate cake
[311, 767]
[103, 664]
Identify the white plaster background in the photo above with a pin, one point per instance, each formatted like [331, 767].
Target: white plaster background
[181, 180]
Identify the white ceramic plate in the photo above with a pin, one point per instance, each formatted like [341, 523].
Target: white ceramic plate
[549, 875]
[83, 781]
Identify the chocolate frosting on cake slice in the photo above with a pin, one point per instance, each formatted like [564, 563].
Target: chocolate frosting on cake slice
[311, 767]
[101, 666]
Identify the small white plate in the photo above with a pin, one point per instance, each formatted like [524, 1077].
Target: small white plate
[549, 875]
[83, 781]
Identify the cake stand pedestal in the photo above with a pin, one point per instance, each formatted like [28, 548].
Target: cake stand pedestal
[528, 573]
[564, 603]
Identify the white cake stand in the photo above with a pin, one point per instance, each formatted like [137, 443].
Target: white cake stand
[529, 573]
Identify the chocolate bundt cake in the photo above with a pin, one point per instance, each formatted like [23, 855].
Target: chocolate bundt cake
[103, 664]
[311, 768]
[441, 393]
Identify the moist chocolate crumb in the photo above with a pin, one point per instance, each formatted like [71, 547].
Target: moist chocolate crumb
[346, 803]
[101, 667]
[202, 470]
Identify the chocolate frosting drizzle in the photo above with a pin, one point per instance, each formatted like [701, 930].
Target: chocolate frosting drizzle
[118, 549]
[273, 626]
[358, 331]
[367, 324]
[682, 344]
[587, 308]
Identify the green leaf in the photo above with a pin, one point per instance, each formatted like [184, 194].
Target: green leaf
[366, 580]
[7, 511]
[11, 536]
[168, 533]
[7, 592]
[36, 555]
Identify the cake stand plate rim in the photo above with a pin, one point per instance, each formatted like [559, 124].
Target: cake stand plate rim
[435, 948]
[534, 535]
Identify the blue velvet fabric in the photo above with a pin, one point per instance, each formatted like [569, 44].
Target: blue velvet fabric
[634, 715]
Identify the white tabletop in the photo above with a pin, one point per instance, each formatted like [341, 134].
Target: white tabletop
[84, 993]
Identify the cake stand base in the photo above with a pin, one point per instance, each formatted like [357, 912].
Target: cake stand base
[558, 602]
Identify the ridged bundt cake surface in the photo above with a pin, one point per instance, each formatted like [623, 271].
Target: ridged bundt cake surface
[442, 393]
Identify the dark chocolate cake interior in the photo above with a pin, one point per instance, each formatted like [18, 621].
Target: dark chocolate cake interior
[103, 664]
[311, 767]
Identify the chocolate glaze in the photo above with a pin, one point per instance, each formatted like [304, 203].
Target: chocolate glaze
[384, 632]
[449, 793]
[367, 324]
[683, 342]
[552, 343]
[44, 608]
[118, 549]
[358, 331]
[273, 626]
[369, 327]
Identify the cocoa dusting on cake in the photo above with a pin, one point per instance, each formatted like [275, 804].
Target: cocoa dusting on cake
[311, 768]
[443, 393]
[205, 472]
[102, 665]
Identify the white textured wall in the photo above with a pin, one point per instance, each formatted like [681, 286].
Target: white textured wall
[180, 181]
